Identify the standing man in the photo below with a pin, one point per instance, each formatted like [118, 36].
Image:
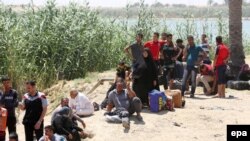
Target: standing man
[10, 102]
[191, 54]
[35, 104]
[170, 55]
[220, 64]
[135, 53]
[154, 46]
[206, 48]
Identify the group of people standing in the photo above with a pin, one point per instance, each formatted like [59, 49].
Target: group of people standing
[156, 57]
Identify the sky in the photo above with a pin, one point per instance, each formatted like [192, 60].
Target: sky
[112, 3]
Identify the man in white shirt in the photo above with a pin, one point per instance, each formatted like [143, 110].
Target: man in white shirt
[80, 104]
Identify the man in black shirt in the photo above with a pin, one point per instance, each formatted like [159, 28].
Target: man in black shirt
[35, 104]
[10, 102]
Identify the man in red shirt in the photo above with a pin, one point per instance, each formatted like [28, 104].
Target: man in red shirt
[206, 75]
[154, 47]
[220, 64]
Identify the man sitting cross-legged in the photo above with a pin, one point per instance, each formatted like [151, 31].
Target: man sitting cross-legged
[125, 102]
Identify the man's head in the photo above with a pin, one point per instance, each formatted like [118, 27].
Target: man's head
[120, 84]
[13, 137]
[64, 102]
[164, 36]
[169, 37]
[6, 82]
[49, 130]
[204, 38]
[65, 112]
[218, 40]
[179, 42]
[31, 86]
[139, 37]
[73, 93]
[156, 36]
[203, 68]
[190, 39]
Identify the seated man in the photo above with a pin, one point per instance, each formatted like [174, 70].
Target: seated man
[64, 126]
[125, 101]
[80, 104]
[206, 75]
[122, 71]
[244, 74]
[50, 135]
[74, 117]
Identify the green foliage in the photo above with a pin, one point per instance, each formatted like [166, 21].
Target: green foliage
[50, 42]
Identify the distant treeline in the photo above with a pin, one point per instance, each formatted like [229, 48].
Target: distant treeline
[176, 11]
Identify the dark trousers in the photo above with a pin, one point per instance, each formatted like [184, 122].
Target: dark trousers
[135, 106]
[2, 135]
[187, 72]
[29, 132]
[168, 74]
[11, 124]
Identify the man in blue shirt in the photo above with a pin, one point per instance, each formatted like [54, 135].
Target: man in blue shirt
[194, 56]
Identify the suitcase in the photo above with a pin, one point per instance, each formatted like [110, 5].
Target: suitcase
[176, 96]
[157, 100]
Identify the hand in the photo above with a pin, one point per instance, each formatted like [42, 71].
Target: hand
[154, 83]
[46, 138]
[173, 58]
[184, 58]
[83, 125]
[70, 136]
[225, 61]
[21, 106]
[38, 125]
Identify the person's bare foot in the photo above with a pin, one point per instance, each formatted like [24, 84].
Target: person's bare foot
[209, 92]
[217, 96]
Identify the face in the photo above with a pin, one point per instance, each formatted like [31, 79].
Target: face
[179, 44]
[203, 69]
[155, 37]
[73, 94]
[7, 84]
[203, 38]
[30, 88]
[65, 102]
[145, 54]
[119, 86]
[169, 39]
[163, 37]
[48, 132]
[190, 41]
[138, 38]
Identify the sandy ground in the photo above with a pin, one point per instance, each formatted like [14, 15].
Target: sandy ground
[204, 118]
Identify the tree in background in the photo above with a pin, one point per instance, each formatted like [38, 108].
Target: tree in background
[235, 35]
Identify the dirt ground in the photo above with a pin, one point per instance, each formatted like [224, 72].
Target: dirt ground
[204, 118]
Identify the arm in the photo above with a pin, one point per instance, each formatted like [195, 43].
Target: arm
[184, 54]
[110, 102]
[131, 93]
[216, 57]
[45, 105]
[126, 50]
[15, 100]
[179, 53]
[80, 120]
